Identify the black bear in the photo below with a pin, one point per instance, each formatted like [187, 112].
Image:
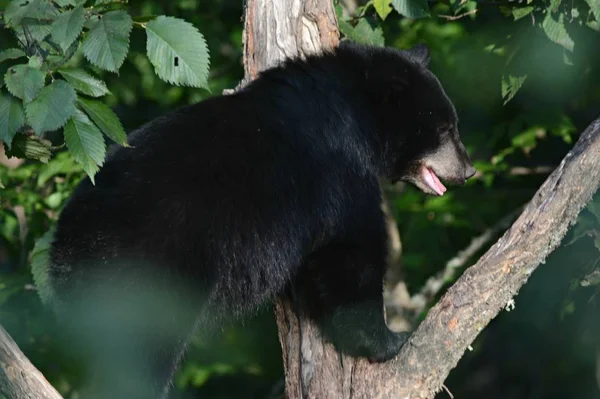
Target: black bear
[221, 205]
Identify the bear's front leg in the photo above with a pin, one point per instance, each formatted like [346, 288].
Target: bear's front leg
[341, 288]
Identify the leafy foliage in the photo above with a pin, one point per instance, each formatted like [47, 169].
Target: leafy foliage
[53, 35]
[178, 52]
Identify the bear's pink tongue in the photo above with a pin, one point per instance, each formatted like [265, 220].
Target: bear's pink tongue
[432, 180]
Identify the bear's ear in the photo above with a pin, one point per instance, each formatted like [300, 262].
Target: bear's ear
[420, 53]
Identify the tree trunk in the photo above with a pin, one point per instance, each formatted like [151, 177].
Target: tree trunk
[313, 369]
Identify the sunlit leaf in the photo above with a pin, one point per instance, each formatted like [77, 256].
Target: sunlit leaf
[383, 7]
[412, 8]
[556, 32]
[520, 12]
[178, 52]
[62, 164]
[594, 7]
[363, 32]
[511, 85]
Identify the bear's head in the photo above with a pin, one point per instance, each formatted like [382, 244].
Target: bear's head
[416, 121]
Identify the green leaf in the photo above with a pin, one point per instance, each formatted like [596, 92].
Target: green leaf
[383, 7]
[64, 3]
[346, 28]
[368, 34]
[412, 8]
[30, 147]
[12, 118]
[594, 277]
[52, 107]
[40, 267]
[35, 62]
[1, 185]
[68, 27]
[554, 4]
[85, 142]
[18, 10]
[556, 32]
[106, 120]
[363, 32]
[11, 54]
[520, 12]
[526, 140]
[178, 52]
[24, 82]
[107, 42]
[62, 164]
[594, 7]
[511, 85]
[84, 82]
[595, 25]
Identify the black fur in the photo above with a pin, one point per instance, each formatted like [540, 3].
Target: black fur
[221, 205]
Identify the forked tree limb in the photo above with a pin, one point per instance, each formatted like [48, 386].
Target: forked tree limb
[19, 379]
[487, 287]
[313, 369]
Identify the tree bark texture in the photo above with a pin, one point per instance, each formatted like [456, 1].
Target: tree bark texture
[19, 379]
[275, 30]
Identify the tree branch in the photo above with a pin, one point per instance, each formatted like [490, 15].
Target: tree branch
[19, 379]
[434, 284]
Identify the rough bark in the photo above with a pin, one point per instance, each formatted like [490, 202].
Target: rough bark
[275, 30]
[313, 369]
[19, 379]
